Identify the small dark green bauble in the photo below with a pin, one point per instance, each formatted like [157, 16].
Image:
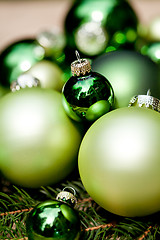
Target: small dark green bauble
[53, 220]
[88, 97]
[18, 58]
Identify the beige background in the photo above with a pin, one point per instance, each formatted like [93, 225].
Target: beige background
[26, 18]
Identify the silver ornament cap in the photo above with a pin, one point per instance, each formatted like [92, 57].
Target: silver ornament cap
[23, 81]
[67, 196]
[145, 100]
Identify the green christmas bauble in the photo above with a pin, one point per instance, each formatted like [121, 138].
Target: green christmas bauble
[87, 95]
[39, 143]
[18, 58]
[49, 74]
[130, 73]
[93, 27]
[53, 220]
[119, 161]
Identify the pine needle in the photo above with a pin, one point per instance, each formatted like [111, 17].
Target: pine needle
[96, 223]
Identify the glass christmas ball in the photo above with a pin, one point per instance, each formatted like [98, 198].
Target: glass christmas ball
[39, 143]
[130, 73]
[119, 161]
[93, 27]
[87, 95]
[18, 58]
[53, 220]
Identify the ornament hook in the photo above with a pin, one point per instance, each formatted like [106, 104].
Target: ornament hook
[71, 188]
[80, 66]
[78, 56]
[149, 92]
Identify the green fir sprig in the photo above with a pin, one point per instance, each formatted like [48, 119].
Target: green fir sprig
[96, 223]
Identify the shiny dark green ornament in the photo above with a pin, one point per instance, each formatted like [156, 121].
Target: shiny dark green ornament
[53, 220]
[93, 27]
[87, 95]
[18, 58]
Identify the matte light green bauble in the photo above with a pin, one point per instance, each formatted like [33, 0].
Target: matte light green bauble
[53, 220]
[48, 73]
[130, 73]
[93, 27]
[39, 143]
[119, 161]
[18, 58]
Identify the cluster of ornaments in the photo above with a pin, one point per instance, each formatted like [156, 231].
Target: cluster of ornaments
[44, 117]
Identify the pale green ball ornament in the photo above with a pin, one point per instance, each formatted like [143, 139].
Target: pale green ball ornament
[129, 73]
[119, 161]
[39, 143]
[49, 74]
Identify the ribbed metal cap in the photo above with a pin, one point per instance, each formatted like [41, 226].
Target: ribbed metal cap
[67, 196]
[145, 100]
[23, 81]
[80, 66]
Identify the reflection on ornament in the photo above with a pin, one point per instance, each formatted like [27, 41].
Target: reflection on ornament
[87, 95]
[145, 101]
[54, 219]
[18, 58]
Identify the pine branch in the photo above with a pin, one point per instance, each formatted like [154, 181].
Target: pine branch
[96, 223]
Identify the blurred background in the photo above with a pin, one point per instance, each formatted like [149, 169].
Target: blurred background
[25, 18]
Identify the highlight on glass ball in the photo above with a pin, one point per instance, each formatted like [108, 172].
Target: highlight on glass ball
[87, 95]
